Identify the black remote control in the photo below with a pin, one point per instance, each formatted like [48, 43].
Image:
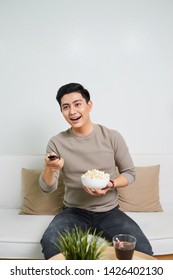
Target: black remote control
[53, 157]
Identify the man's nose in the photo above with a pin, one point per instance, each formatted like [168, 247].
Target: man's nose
[72, 110]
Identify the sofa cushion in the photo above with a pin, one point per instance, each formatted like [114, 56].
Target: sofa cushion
[20, 236]
[35, 201]
[143, 194]
[157, 226]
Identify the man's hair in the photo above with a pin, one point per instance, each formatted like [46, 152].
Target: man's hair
[72, 87]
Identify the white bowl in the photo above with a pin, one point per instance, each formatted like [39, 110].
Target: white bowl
[94, 183]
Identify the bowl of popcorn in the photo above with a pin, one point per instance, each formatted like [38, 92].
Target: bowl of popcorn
[95, 179]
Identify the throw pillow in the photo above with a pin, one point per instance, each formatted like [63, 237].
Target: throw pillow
[143, 194]
[35, 201]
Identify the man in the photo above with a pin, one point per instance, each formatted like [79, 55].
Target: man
[85, 146]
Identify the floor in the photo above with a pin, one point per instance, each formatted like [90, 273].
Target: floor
[164, 257]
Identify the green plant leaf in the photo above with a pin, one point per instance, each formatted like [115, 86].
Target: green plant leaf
[80, 245]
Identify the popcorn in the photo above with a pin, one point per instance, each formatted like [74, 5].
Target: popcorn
[96, 174]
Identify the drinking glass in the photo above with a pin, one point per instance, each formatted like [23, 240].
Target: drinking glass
[124, 245]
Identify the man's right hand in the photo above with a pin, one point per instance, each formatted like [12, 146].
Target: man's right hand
[51, 167]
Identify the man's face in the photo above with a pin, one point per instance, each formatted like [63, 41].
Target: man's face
[75, 109]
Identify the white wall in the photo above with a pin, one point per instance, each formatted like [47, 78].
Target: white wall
[121, 51]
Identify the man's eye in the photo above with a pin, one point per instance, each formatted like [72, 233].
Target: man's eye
[77, 104]
[65, 108]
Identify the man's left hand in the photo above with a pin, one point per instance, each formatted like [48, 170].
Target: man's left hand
[98, 192]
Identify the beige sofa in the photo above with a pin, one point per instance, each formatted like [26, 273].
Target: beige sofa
[20, 234]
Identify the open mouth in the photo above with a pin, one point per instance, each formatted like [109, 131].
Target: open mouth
[75, 119]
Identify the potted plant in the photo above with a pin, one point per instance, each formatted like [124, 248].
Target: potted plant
[80, 245]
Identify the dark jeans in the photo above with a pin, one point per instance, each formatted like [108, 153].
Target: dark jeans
[110, 223]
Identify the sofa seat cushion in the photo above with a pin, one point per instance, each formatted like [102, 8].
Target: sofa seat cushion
[20, 235]
[157, 226]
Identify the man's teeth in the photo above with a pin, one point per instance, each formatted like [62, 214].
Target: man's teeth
[74, 119]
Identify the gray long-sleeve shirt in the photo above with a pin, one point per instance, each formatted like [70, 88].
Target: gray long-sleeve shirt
[104, 149]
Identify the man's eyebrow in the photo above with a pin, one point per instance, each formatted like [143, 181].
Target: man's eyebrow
[64, 104]
[77, 100]
[72, 102]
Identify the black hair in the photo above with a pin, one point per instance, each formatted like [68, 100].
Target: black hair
[72, 87]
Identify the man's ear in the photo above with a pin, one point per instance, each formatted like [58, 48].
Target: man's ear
[90, 105]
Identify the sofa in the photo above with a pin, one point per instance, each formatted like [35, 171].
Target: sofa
[20, 233]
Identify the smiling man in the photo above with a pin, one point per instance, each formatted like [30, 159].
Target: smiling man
[85, 146]
[75, 109]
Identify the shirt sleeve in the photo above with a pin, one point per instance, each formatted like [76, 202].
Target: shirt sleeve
[51, 147]
[45, 187]
[123, 159]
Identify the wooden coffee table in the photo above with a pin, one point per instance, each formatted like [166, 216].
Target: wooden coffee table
[109, 254]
